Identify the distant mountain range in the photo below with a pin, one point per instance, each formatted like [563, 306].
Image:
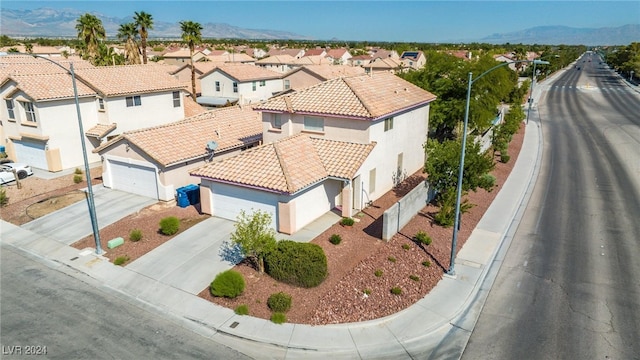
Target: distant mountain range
[47, 22]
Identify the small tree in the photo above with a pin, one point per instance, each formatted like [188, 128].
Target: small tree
[255, 236]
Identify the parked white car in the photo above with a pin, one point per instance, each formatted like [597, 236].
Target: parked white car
[6, 172]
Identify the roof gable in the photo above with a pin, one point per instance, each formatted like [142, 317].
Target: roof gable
[130, 79]
[245, 72]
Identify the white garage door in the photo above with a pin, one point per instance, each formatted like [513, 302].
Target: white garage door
[229, 200]
[133, 178]
[31, 153]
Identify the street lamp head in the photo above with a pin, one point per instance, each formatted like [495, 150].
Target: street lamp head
[541, 62]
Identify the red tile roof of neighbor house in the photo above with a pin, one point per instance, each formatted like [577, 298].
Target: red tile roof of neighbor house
[130, 79]
[245, 72]
[230, 127]
[276, 59]
[43, 87]
[366, 96]
[289, 165]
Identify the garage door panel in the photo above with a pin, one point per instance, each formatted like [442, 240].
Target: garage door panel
[31, 153]
[229, 201]
[133, 178]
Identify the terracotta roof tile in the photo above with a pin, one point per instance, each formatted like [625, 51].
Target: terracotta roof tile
[51, 86]
[289, 165]
[230, 127]
[365, 96]
[191, 107]
[276, 59]
[334, 71]
[245, 72]
[130, 79]
[101, 130]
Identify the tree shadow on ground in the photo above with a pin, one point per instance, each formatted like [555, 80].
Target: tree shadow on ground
[231, 252]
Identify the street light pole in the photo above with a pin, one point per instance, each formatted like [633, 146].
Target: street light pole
[454, 239]
[530, 100]
[90, 200]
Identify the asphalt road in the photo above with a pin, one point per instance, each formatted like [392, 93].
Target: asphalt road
[50, 313]
[569, 287]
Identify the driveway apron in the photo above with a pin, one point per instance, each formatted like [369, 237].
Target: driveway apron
[73, 222]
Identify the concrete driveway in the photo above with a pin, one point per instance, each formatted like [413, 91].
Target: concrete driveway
[192, 259]
[73, 223]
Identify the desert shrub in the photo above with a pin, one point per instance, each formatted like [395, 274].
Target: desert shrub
[488, 181]
[227, 284]
[396, 290]
[426, 263]
[347, 221]
[392, 259]
[414, 277]
[135, 235]
[378, 273]
[279, 302]
[4, 199]
[504, 158]
[120, 260]
[406, 246]
[335, 239]
[278, 318]
[298, 264]
[77, 178]
[169, 225]
[423, 238]
[78, 171]
[366, 291]
[242, 310]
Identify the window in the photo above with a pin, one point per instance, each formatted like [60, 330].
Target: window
[262, 83]
[235, 87]
[253, 85]
[313, 123]
[372, 181]
[10, 111]
[277, 121]
[133, 101]
[176, 99]
[287, 84]
[217, 85]
[101, 104]
[388, 124]
[29, 111]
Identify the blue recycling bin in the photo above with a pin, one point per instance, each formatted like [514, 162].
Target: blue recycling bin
[193, 193]
[182, 199]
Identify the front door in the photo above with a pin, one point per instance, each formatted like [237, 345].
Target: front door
[357, 193]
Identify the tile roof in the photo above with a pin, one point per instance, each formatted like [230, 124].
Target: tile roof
[130, 79]
[52, 86]
[276, 59]
[365, 96]
[191, 107]
[385, 63]
[289, 165]
[245, 72]
[101, 130]
[311, 60]
[169, 144]
[25, 64]
[334, 71]
[336, 53]
[181, 53]
[232, 58]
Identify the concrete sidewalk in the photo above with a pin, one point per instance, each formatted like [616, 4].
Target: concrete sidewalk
[168, 289]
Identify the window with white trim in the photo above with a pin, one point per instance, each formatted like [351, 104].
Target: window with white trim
[176, 99]
[29, 110]
[312, 123]
[263, 83]
[253, 85]
[10, 112]
[372, 181]
[277, 121]
[101, 104]
[133, 101]
[388, 123]
[217, 85]
[287, 84]
[235, 87]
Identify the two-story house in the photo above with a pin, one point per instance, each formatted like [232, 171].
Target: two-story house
[340, 144]
[308, 75]
[413, 59]
[39, 117]
[182, 56]
[238, 84]
[277, 63]
[339, 56]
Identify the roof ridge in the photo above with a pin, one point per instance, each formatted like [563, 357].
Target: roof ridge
[356, 94]
[283, 167]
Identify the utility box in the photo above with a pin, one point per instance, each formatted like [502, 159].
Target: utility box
[115, 242]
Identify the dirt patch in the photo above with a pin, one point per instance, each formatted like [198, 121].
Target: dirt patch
[49, 205]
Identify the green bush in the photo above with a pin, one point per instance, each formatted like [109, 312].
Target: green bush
[279, 302]
[414, 277]
[392, 259]
[227, 284]
[169, 225]
[347, 221]
[396, 291]
[335, 239]
[504, 158]
[278, 318]
[77, 178]
[423, 238]
[4, 199]
[366, 291]
[78, 171]
[135, 235]
[488, 181]
[406, 246]
[298, 264]
[120, 260]
[426, 263]
[242, 310]
[378, 273]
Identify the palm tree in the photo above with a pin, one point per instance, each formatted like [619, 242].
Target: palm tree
[128, 33]
[191, 33]
[519, 54]
[144, 22]
[90, 31]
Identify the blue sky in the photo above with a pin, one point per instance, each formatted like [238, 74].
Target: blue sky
[417, 21]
